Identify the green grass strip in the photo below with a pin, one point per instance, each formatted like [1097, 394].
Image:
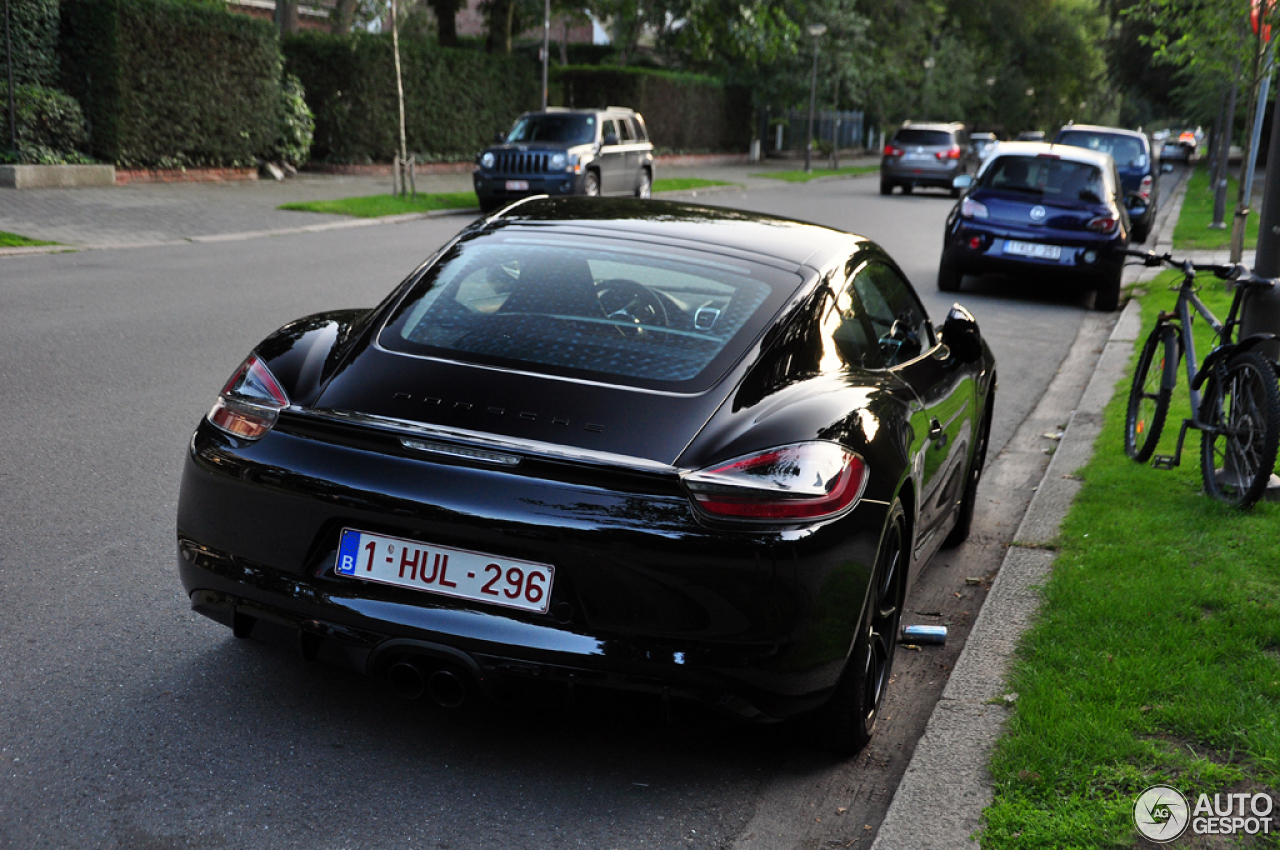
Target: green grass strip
[1155, 657]
[806, 176]
[682, 184]
[13, 240]
[377, 206]
[1193, 233]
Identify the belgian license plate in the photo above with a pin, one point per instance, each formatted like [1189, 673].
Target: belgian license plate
[1033, 249]
[444, 570]
[517, 185]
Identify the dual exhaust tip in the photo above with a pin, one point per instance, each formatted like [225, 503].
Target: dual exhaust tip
[415, 679]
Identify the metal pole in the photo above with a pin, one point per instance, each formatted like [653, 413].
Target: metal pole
[1260, 312]
[546, 49]
[813, 95]
[1264, 91]
[8, 59]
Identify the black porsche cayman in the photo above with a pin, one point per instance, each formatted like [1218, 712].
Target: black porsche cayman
[682, 451]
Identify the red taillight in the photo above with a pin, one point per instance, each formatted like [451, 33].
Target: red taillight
[250, 402]
[953, 153]
[804, 481]
[1144, 191]
[890, 150]
[1103, 224]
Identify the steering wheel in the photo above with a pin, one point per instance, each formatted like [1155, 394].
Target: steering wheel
[629, 301]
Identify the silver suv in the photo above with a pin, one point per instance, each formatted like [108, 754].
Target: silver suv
[567, 152]
[926, 155]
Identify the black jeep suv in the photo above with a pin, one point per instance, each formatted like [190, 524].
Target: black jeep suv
[567, 152]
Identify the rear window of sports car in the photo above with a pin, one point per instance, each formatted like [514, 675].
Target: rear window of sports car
[599, 309]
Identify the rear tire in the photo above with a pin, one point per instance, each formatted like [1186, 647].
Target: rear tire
[906, 188]
[886, 188]
[949, 275]
[1107, 296]
[845, 724]
[1149, 393]
[591, 185]
[1241, 413]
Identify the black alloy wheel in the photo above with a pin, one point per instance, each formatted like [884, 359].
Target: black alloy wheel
[1240, 413]
[845, 724]
[1149, 393]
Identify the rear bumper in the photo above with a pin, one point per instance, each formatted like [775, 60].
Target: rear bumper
[756, 625]
[1074, 262]
[900, 172]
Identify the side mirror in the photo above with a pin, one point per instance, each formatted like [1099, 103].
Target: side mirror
[959, 332]
[499, 137]
[962, 181]
[611, 139]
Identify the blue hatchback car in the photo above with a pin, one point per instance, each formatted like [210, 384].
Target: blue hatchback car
[1138, 175]
[1037, 211]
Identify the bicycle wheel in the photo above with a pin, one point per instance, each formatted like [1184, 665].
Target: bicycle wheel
[1153, 382]
[1240, 413]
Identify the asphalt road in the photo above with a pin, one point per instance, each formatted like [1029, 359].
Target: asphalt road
[130, 722]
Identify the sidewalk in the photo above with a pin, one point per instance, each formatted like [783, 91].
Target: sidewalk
[141, 214]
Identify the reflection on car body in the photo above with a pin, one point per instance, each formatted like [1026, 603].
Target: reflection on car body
[688, 453]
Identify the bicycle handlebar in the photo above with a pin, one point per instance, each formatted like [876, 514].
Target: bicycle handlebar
[1236, 272]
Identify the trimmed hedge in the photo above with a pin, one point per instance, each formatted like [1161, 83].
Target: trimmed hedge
[51, 129]
[455, 99]
[33, 28]
[172, 83]
[684, 112]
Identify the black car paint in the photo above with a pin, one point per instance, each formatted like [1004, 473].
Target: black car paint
[739, 616]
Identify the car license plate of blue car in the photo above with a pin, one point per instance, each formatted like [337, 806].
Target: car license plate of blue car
[1033, 250]
[517, 185]
[443, 570]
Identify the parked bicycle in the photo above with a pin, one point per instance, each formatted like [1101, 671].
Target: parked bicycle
[1235, 401]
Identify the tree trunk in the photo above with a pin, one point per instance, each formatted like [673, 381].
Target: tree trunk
[499, 13]
[446, 12]
[287, 16]
[344, 14]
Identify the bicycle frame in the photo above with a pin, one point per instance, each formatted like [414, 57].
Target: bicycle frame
[1223, 330]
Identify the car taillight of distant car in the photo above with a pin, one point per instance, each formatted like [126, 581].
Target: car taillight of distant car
[952, 153]
[890, 150]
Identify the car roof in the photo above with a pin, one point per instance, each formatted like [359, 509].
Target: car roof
[564, 110]
[1069, 153]
[931, 125]
[1096, 128]
[753, 236]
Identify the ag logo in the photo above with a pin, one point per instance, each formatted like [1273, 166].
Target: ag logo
[1161, 813]
[1038, 213]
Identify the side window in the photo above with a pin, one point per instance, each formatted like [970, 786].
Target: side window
[642, 135]
[898, 322]
[607, 127]
[627, 135]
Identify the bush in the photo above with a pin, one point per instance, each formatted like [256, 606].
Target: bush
[51, 128]
[455, 99]
[172, 83]
[683, 112]
[297, 124]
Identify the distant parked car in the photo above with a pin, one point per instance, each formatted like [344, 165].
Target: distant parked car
[926, 155]
[1132, 153]
[1180, 145]
[561, 152]
[982, 143]
[1039, 210]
